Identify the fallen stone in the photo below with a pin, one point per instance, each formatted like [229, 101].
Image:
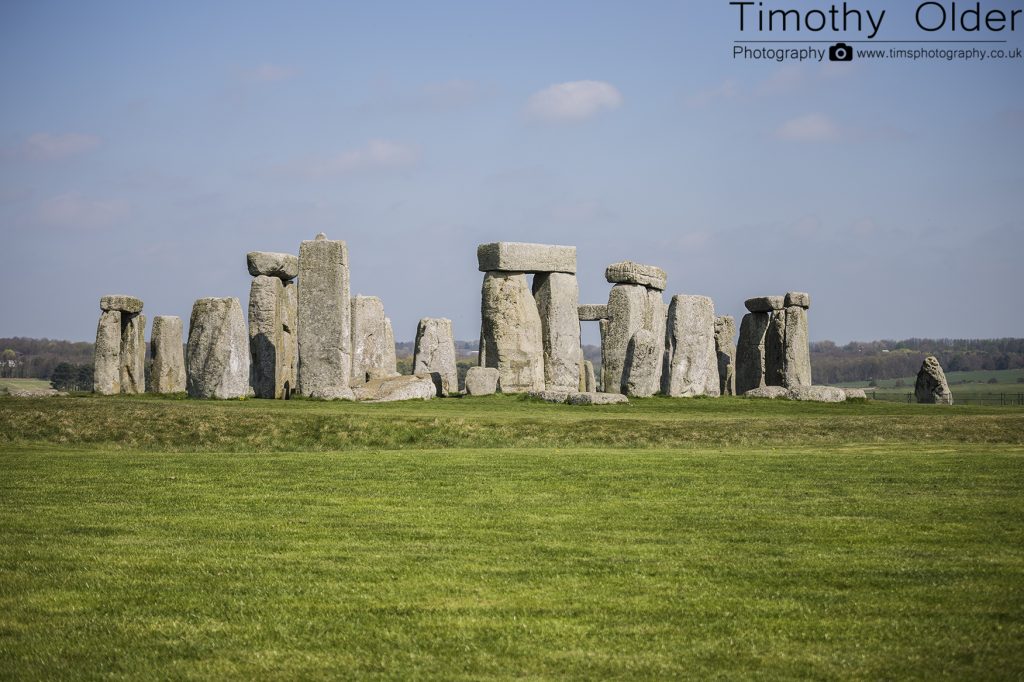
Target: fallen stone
[931, 386]
[643, 365]
[520, 257]
[266, 298]
[855, 394]
[391, 389]
[125, 304]
[325, 320]
[167, 349]
[106, 378]
[628, 272]
[557, 296]
[725, 349]
[511, 333]
[628, 314]
[591, 312]
[798, 298]
[596, 399]
[133, 353]
[284, 266]
[549, 396]
[692, 362]
[373, 342]
[818, 394]
[797, 361]
[434, 354]
[34, 392]
[217, 355]
[481, 381]
[768, 392]
[765, 304]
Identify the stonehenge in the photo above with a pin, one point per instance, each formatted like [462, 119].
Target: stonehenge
[691, 363]
[931, 387]
[217, 354]
[481, 381]
[774, 345]
[373, 341]
[325, 320]
[168, 370]
[273, 345]
[511, 337]
[725, 349]
[119, 356]
[434, 355]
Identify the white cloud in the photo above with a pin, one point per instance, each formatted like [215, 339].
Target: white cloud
[72, 210]
[727, 90]
[573, 101]
[809, 128]
[374, 155]
[49, 146]
[785, 79]
[268, 73]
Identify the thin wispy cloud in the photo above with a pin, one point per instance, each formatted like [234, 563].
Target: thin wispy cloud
[375, 155]
[52, 146]
[72, 210]
[573, 101]
[809, 128]
[726, 90]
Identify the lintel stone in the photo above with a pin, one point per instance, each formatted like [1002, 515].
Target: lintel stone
[521, 257]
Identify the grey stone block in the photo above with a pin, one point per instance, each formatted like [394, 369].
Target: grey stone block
[522, 257]
[628, 272]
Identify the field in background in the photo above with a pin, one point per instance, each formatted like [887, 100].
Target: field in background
[502, 537]
[22, 383]
[977, 387]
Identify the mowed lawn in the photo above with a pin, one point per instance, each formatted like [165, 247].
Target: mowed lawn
[145, 537]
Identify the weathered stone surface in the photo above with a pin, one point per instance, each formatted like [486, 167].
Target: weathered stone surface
[656, 321]
[628, 272]
[373, 342]
[692, 364]
[434, 354]
[931, 386]
[750, 352]
[775, 349]
[855, 394]
[325, 319]
[591, 312]
[266, 298]
[628, 308]
[289, 348]
[590, 379]
[511, 334]
[765, 304]
[167, 350]
[126, 304]
[818, 394]
[106, 378]
[390, 389]
[596, 399]
[217, 355]
[768, 392]
[281, 265]
[797, 351]
[133, 353]
[520, 257]
[643, 365]
[550, 396]
[557, 295]
[725, 349]
[481, 381]
[798, 298]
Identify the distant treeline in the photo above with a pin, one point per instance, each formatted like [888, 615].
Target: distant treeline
[24, 358]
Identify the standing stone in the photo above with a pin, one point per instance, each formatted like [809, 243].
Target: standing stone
[217, 357]
[168, 371]
[288, 363]
[797, 368]
[511, 333]
[107, 354]
[325, 319]
[750, 352]
[725, 331]
[693, 364]
[481, 381]
[931, 387]
[655, 321]
[628, 309]
[373, 342]
[590, 378]
[557, 295]
[434, 354]
[133, 353]
[266, 300]
[643, 365]
[775, 349]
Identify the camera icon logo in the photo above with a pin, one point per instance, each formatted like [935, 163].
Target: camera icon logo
[840, 52]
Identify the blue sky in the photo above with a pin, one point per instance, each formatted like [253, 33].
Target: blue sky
[146, 147]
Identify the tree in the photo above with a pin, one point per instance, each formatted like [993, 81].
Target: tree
[64, 376]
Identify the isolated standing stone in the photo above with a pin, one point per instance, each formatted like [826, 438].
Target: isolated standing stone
[628, 313]
[107, 354]
[628, 272]
[931, 384]
[133, 353]
[750, 352]
[643, 365]
[693, 364]
[434, 354]
[797, 367]
[557, 295]
[511, 334]
[266, 300]
[325, 319]
[217, 356]
[725, 331]
[520, 257]
[284, 266]
[481, 381]
[167, 349]
[373, 342]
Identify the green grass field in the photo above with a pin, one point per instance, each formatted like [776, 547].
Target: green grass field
[499, 537]
[962, 384]
[22, 383]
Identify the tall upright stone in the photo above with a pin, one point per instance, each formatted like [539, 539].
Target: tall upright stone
[692, 363]
[133, 353]
[288, 363]
[643, 365]
[373, 342]
[266, 299]
[557, 295]
[725, 349]
[217, 355]
[797, 368]
[931, 386]
[750, 352]
[775, 349]
[107, 354]
[511, 336]
[167, 373]
[628, 310]
[325, 319]
[656, 321]
[434, 354]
